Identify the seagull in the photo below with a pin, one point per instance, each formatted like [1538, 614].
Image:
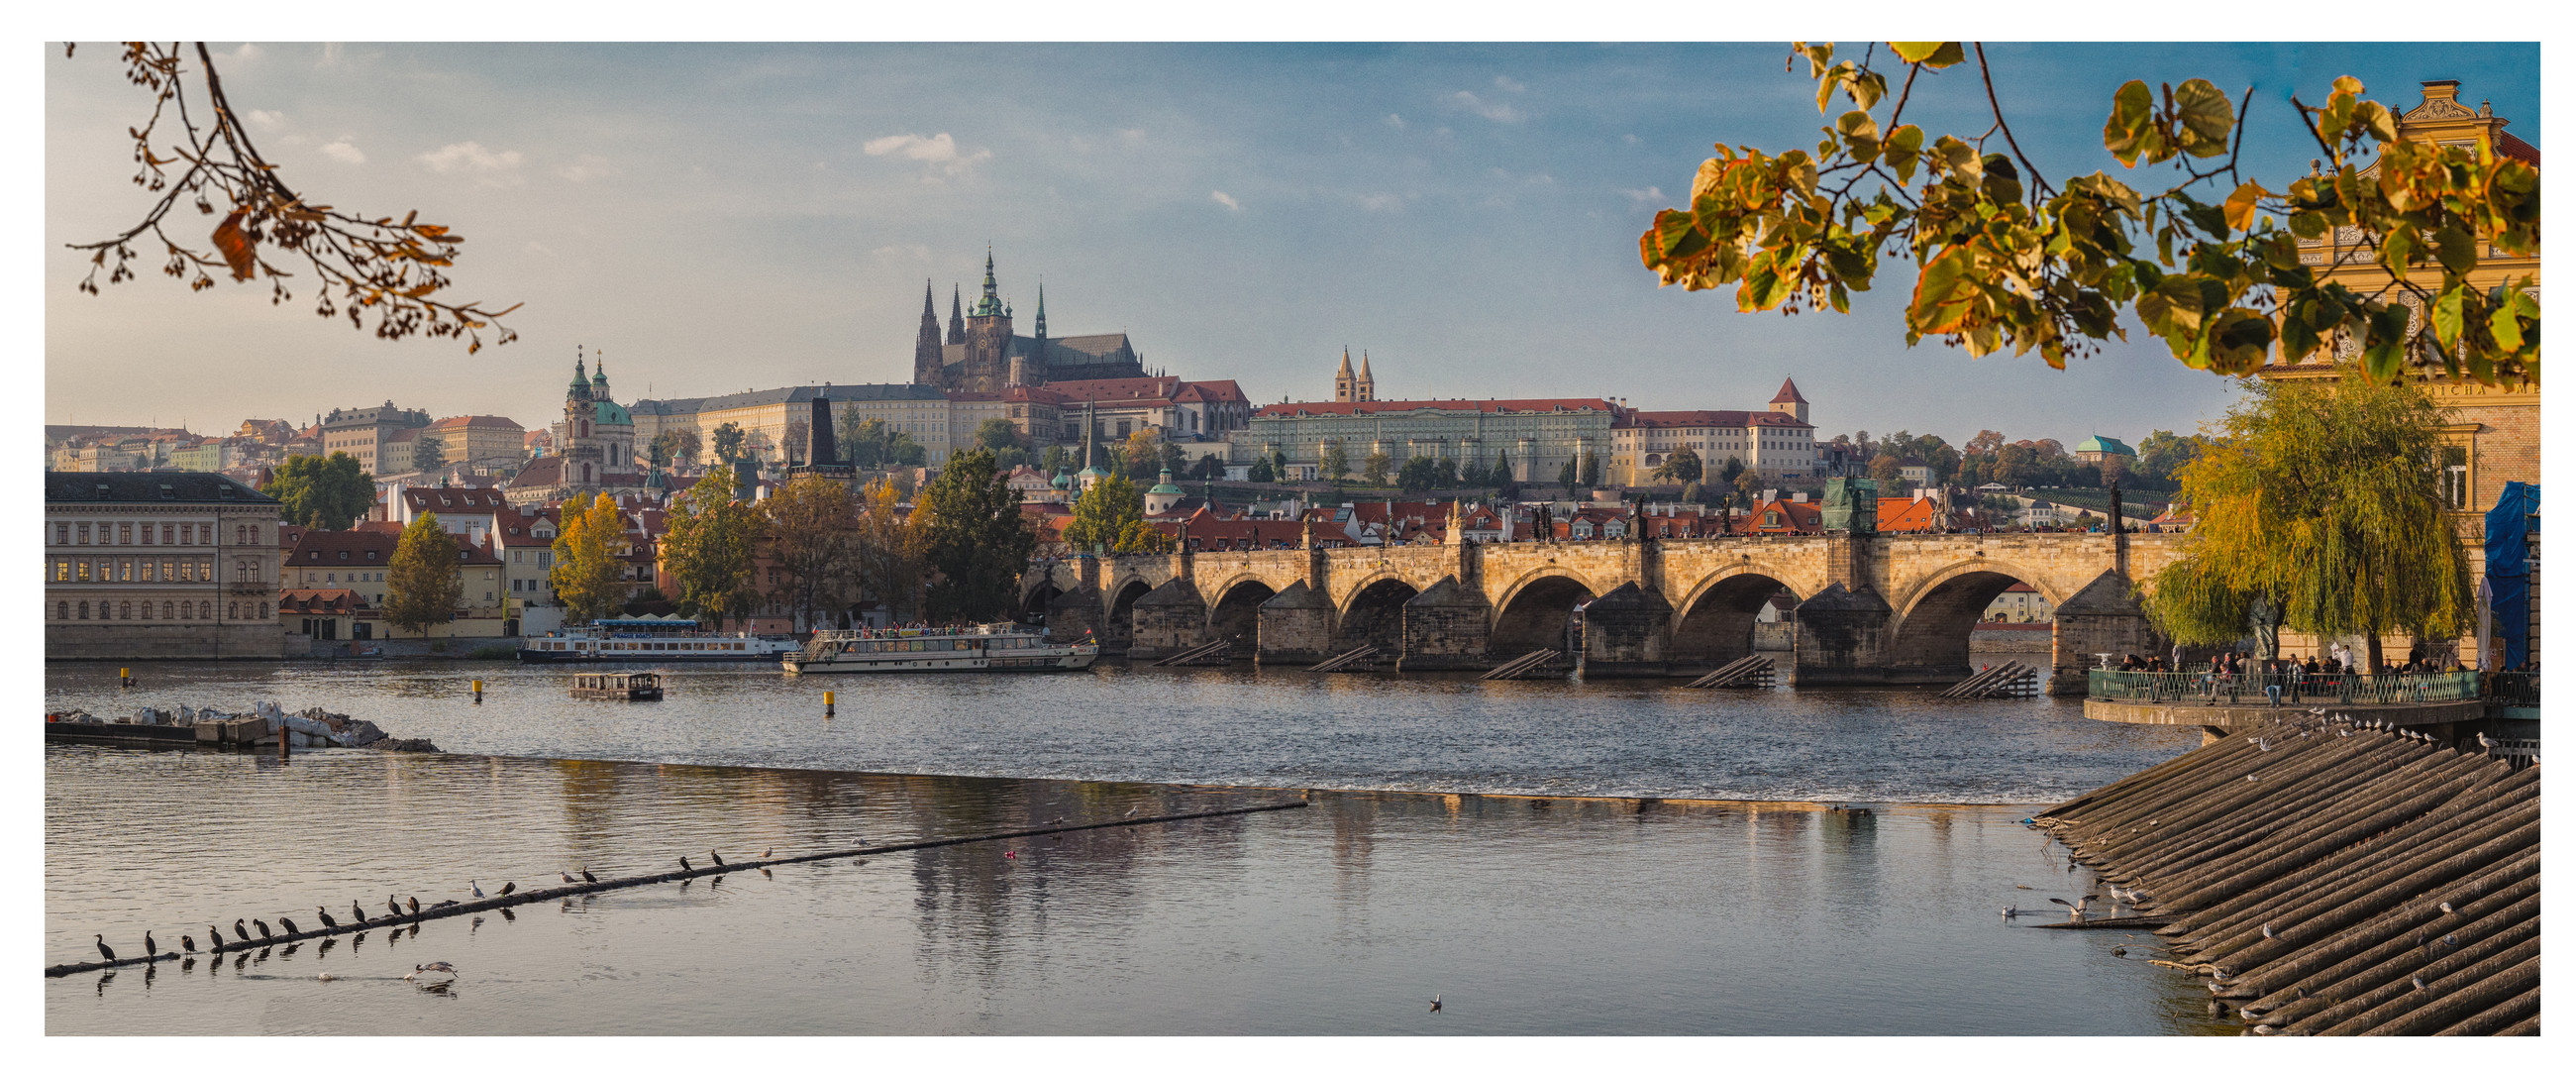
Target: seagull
[2249, 778]
[477, 886]
[435, 967]
[262, 926]
[586, 878]
[2267, 931]
[326, 976]
[719, 859]
[2452, 940]
[685, 867]
[189, 943]
[289, 923]
[105, 953]
[354, 909]
[566, 876]
[239, 931]
[1435, 1004]
[764, 852]
[2263, 745]
[2446, 907]
[2012, 912]
[415, 904]
[1131, 812]
[2076, 909]
[2418, 979]
[327, 921]
[216, 937]
[150, 950]
[509, 887]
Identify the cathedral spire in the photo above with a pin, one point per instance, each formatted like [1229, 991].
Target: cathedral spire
[1041, 308]
[928, 309]
[956, 315]
[991, 304]
[580, 376]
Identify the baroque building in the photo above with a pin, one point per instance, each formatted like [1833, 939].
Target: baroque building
[980, 353]
[594, 444]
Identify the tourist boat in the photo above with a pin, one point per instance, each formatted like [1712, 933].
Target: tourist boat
[651, 639]
[982, 648]
[617, 685]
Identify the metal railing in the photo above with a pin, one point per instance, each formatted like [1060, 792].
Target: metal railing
[2513, 689]
[2224, 689]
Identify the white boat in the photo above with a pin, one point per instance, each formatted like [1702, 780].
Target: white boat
[983, 648]
[651, 640]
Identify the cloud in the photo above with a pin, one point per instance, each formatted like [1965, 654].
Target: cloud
[1131, 138]
[939, 151]
[266, 120]
[1220, 197]
[1380, 202]
[1501, 113]
[1509, 86]
[489, 168]
[1647, 196]
[344, 152]
[246, 53]
[1629, 138]
[589, 167]
[1394, 120]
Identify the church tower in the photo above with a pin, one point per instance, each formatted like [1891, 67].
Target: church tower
[1344, 387]
[956, 317]
[988, 339]
[575, 437]
[926, 358]
[1364, 387]
[1788, 400]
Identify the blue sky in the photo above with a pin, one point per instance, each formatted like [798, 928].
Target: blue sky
[726, 217]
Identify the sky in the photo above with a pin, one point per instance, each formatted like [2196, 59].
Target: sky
[718, 218]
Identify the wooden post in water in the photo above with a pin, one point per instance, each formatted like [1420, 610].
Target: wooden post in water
[282, 735]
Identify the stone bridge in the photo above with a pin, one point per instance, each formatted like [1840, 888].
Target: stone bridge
[1885, 608]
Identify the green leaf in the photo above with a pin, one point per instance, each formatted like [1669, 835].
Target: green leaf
[2506, 325]
[2131, 130]
[1945, 293]
[2239, 341]
[2205, 117]
[2309, 225]
[1860, 135]
[2395, 247]
[2375, 117]
[2448, 320]
[1904, 150]
[2456, 249]
[1933, 54]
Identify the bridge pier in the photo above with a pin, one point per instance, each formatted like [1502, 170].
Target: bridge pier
[1624, 633]
[1170, 619]
[1446, 628]
[2103, 618]
[1296, 627]
[1842, 637]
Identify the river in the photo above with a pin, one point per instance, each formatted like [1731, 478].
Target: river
[1435, 864]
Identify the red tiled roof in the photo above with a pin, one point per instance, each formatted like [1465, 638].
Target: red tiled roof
[324, 547]
[1211, 390]
[1118, 390]
[1710, 418]
[453, 499]
[317, 600]
[2514, 148]
[1365, 408]
[1907, 514]
[501, 423]
[1788, 392]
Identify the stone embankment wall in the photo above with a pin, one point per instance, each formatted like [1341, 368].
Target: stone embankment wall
[2334, 879]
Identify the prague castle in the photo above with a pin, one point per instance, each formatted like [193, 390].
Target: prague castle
[980, 354]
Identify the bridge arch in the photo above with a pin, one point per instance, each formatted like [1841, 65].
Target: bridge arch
[1936, 618]
[1714, 622]
[1533, 612]
[1235, 613]
[1121, 625]
[1374, 614]
[1035, 600]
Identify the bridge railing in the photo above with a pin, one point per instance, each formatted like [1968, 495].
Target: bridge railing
[2513, 689]
[2222, 689]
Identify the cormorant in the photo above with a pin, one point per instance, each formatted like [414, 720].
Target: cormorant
[415, 903]
[719, 859]
[393, 906]
[289, 923]
[685, 867]
[189, 943]
[586, 878]
[150, 950]
[354, 909]
[240, 931]
[328, 922]
[105, 953]
[216, 938]
[264, 932]
[1435, 1004]
[509, 887]
[566, 876]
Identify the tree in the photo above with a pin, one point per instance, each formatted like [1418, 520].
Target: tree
[677, 445]
[1056, 459]
[2008, 258]
[1886, 468]
[728, 442]
[1570, 476]
[1209, 466]
[1173, 458]
[1420, 474]
[709, 548]
[814, 530]
[1691, 491]
[868, 442]
[587, 544]
[1444, 472]
[1143, 450]
[800, 433]
[1734, 467]
[374, 262]
[886, 556]
[427, 455]
[423, 582]
[1337, 462]
[1279, 466]
[1501, 473]
[1591, 470]
[2319, 507]
[973, 539]
[1104, 513]
[2162, 454]
[1375, 468]
[1260, 472]
[1748, 484]
[998, 434]
[316, 493]
[1682, 467]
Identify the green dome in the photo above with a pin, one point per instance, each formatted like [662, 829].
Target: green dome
[1061, 481]
[1166, 487]
[2099, 444]
[1093, 472]
[612, 414]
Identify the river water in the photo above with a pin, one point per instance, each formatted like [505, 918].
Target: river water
[1431, 867]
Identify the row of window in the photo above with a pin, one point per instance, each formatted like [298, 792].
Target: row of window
[146, 569]
[173, 610]
[125, 532]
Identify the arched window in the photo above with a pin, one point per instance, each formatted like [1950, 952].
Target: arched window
[125, 611]
[147, 611]
[263, 611]
[585, 472]
[84, 613]
[62, 611]
[232, 611]
[205, 610]
[167, 613]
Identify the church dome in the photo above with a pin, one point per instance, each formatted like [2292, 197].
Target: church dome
[612, 414]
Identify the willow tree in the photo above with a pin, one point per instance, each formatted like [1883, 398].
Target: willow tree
[2318, 507]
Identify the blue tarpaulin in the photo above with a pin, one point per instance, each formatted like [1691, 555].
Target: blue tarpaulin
[2509, 526]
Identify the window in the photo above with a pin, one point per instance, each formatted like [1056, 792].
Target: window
[206, 610]
[62, 611]
[2455, 476]
[147, 611]
[84, 572]
[84, 534]
[263, 611]
[62, 571]
[124, 610]
[166, 611]
[62, 534]
[232, 611]
[84, 611]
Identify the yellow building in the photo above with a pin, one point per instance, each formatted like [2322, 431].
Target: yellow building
[476, 438]
[2494, 431]
[357, 560]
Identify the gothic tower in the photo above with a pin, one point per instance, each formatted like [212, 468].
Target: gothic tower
[988, 339]
[1366, 385]
[956, 317]
[1342, 383]
[1790, 401]
[926, 358]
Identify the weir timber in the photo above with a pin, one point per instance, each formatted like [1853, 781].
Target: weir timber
[2332, 878]
[1872, 608]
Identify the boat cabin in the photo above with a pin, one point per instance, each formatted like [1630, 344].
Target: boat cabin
[618, 685]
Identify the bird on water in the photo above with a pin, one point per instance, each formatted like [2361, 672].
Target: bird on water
[415, 904]
[1435, 1004]
[393, 906]
[567, 877]
[150, 950]
[264, 932]
[105, 953]
[188, 943]
[2012, 912]
[434, 967]
[325, 914]
[2076, 909]
[477, 886]
[509, 887]
[719, 859]
[326, 975]
[216, 938]
[240, 931]
[1131, 811]
[764, 852]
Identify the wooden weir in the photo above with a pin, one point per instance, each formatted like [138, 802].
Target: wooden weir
[2011, 679]
[1751, 671]
[1525, 664]
[1219, 652]
[1353, 661]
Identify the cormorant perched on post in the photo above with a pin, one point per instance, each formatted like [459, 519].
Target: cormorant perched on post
[355, 909]
[566, 876]
[240, 931]
[685, 867]
[325, 915]
[216, 937]
[393, 906]
[415, 903]
[718, 858]
[188, 943]
[509, 887]
[264, 932]
[586, 878]
[105, 953]
[150, 950]
[289, 923]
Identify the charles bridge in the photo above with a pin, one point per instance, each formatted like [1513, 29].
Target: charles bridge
[1871, 608]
